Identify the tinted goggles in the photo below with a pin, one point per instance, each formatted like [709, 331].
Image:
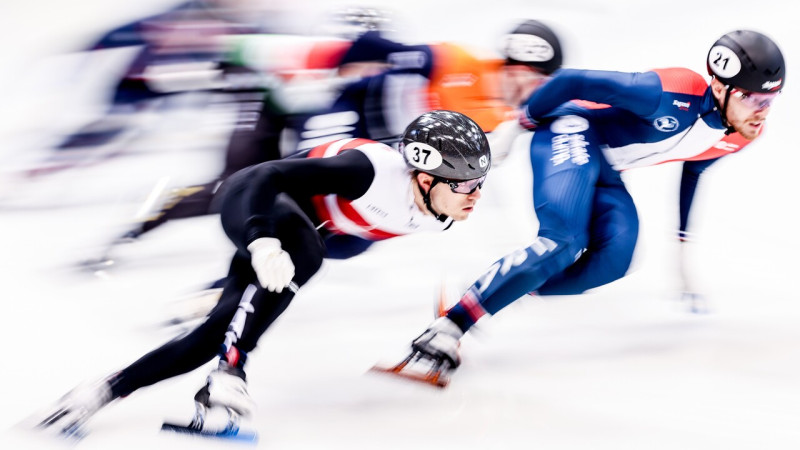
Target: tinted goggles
[466, 186]
[755, 100]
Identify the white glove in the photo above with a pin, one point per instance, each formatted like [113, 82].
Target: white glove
[272, 264]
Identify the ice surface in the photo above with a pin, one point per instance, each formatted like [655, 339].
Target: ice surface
[624, 367]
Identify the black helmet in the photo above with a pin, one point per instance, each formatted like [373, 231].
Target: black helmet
[533, 44]
[351, 22]
[446, 144]
[747, 60]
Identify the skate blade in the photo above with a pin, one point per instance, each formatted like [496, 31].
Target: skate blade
[46, 426]
[100, 266]
[440, 308]
[189, 309]
[436, 379]
[695, 303]
[229, 434]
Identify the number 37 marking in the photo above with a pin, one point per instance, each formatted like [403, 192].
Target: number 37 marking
[417, 152]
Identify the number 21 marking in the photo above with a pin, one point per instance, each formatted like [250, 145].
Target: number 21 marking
[724, 61]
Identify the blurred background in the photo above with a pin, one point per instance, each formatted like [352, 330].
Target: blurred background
[88, 148]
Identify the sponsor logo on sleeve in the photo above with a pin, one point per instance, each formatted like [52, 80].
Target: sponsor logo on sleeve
[683, 106]
[726, 146]
[666, 124]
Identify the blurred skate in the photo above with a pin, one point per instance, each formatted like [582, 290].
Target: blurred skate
[106, 260]
[96, 143]
[433, 358]
[442, 304]
[449, 293]
[231, 431]
[695, 301]
[417, 367]
[67, 418]
[187, 310]
[225, 390]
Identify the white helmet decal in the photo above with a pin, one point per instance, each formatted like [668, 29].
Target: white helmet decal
[772, 85]
[724, 62]
[528, 48]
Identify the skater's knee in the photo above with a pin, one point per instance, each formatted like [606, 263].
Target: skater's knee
[621, 250]
[573, 240]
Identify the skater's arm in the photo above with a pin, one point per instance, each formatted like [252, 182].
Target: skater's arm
[347, 175]
[638, 92]
[690, 176]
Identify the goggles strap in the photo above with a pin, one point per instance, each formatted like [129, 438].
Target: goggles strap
[724, 112]
[426, 198]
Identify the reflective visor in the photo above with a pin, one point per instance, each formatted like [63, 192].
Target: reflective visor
[755, 100]
[466, 186]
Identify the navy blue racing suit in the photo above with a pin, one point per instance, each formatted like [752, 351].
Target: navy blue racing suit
[588, 221]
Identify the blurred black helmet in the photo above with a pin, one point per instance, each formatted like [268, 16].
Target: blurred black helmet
[533, 44]
[448, 145]
[353, 21]
[747, 60]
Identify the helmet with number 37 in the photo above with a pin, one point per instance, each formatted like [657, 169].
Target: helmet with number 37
[448, 145]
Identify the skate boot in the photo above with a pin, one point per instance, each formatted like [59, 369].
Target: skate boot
[220, 406]
[105, 260]
[433, 357]
[184, 313]
[74, 409]
[225, 388]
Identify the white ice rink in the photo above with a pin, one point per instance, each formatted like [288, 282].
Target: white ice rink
[624, 367]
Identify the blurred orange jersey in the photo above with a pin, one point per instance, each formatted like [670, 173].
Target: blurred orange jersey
[465, 82]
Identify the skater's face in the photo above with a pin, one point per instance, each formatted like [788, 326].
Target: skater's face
[746, 111]
[518, 82]
[455, 199]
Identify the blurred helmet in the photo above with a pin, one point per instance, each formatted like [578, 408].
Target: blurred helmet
[747, 60]
[446, 144]
[372, 47]
[535, 45]
[353, 21]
